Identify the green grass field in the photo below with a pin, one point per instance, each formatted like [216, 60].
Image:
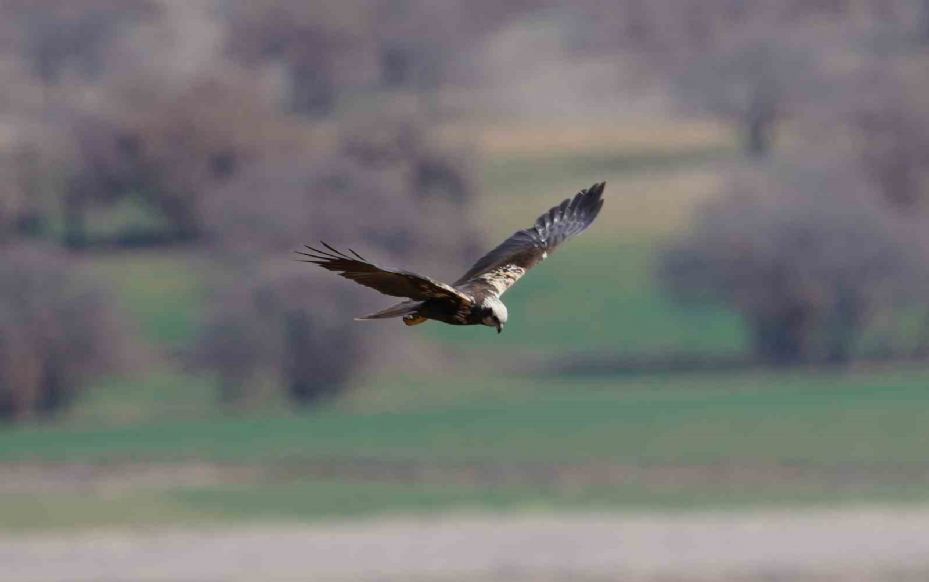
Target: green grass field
[854, 432]
[823, 419]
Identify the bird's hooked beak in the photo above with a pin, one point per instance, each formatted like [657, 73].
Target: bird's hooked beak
[499, 327]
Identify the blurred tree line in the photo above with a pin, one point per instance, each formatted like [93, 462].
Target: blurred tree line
[236, 129]
[217, 121]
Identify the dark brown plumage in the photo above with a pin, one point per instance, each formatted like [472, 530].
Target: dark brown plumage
[475, 297]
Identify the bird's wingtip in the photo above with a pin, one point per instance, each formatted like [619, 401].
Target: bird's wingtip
[594, 192]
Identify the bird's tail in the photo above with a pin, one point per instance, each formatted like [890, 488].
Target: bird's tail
[398, 310]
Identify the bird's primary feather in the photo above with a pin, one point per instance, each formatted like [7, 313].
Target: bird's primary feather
[499, 269]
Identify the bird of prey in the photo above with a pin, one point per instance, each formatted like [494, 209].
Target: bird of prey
[474, 299]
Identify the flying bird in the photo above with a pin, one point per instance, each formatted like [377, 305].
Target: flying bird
[474, 299]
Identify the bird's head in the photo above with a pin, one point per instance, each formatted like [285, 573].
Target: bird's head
[494, 314]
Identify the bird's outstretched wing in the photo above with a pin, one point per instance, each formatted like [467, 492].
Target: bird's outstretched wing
[387, 281]
[499, 269]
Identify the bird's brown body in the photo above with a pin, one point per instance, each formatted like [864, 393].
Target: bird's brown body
[474, 299]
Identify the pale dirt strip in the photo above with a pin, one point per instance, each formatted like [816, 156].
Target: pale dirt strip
[848, 544]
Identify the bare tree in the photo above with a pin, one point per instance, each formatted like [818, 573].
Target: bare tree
[805, 254]
[879, 116]
[755, 81]
[57, 332]
[279, 328]
[880, 120]
[752, 64]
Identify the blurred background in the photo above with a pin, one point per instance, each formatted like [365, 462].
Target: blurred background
[746, 326]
